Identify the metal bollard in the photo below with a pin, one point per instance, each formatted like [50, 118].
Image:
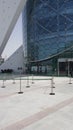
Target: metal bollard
[52, 93]
[13, 81]
[70, 80]
[27, 82]
[32, 79]
[53, 81]
[20, 92]
[3, 86]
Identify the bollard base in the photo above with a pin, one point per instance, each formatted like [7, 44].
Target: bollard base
[52, 94]
[13, 82]
[70, 83]
[32, 82]
[3, 87]
[20, 92]
[53, 86]
[27, 86]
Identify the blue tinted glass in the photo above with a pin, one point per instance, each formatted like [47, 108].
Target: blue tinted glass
[49, 27]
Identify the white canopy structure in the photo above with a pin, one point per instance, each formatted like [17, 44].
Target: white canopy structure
[9, 13]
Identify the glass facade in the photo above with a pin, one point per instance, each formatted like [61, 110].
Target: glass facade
[49, 28]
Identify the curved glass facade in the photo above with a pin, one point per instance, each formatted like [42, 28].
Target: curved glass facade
[49, 27]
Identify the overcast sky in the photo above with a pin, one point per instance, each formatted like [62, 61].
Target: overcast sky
[15, 39]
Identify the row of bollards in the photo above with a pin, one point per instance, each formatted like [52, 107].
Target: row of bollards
[27, 86]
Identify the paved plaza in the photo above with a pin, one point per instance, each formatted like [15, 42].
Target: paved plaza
[35, 108]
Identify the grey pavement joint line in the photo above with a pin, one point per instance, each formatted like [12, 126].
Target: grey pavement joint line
[38, 116]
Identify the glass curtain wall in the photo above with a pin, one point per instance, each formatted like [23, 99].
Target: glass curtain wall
[49, 27]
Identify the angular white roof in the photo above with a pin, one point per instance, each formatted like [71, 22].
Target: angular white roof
[9, 13]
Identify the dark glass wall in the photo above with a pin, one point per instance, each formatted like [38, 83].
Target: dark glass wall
[49, 27]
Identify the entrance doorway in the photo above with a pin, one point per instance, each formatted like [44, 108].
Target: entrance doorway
[65, 66]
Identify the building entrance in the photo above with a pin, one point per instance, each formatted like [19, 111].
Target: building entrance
[65, 66]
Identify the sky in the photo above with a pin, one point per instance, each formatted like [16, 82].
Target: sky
[15, 40]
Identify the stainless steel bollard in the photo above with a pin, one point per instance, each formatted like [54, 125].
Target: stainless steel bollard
[3, 86]
[20, 91]
[70, 80]
[27, 86]
[32, 79]
[13, 81]
[53, 82]
[52, 93]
